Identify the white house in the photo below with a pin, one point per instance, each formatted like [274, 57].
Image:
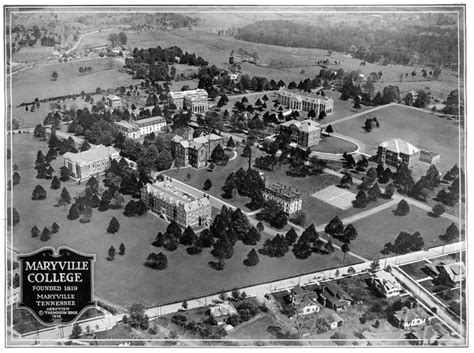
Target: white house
[386, 284]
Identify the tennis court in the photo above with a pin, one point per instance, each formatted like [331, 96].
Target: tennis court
[336, 197]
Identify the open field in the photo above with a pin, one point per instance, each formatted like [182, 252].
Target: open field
[383, 227]
[332, 144]
[125, 280]
[423, 130]
[36, 82]
[284, 63]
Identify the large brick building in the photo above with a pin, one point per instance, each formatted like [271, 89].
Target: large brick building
[139, 128]
[305, 133]
[89, 163]
[300, 100]
[397, 151]
[194, 151]
[169, 200]
[195, 100]
[289, 200]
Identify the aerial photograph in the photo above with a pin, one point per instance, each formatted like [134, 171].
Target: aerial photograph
[253, 176]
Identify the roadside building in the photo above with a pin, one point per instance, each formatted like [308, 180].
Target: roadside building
[306, 101]
[114, 101]
[137, 129]
[331, 296]
[397, 151]
[194, 151]
[289, 200]
[386, 284]
[451, 273]
[93, 162]
[304, 134]
[407, 318]
[222, 311]
[195, 100]
[425, 336]
[304, 301]
[166, 198]
[429, 157]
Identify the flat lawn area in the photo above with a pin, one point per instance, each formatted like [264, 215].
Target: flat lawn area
[383, 227]
[256, 329]
[126, 280]
[332, 144]
[36, 82]
[423, 130]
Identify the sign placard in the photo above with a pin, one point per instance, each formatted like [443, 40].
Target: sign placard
[57, 287]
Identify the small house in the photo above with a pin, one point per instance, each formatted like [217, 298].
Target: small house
[221, 312]
[426, 336]
[386, 284]
[307, 306]
[407, 318]
[331, 296]
[449, 273]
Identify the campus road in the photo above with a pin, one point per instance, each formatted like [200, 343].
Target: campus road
[108, 321]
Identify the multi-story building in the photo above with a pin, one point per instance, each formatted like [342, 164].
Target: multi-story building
[89, 163]
[306, 101]
[195, 100]
[114, 101]
[304, 134]
[386, 284]
[429, 157]
[137, 129]
[169, 200]
[397, 151]
[194, 151]
[289, 200]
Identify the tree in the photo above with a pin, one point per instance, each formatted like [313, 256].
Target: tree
[188, 237]
[291, 236]
[114, 226]
[231, 143]
[76, 331]
[389, 191]
[346, 180]
[334, 227]
[74, 212]
[329, 129]
[374, 192]
[55, 183]
[157, 261]
[137, 317]
[121, 249]
[406, 242]
[54, 76]
[55, 228]
[279, 220]
[45, 235]
[207, 184]
[345, 249]
[350, 233]
[111, 253]
[260, 227]
[438, 209]
[247, 151]
[64, 173]
[361, 200]
[252, 258]
[16, 178]
[452, 233]
[403, 208]
[86, 215]
[302, 249]
[35, 232]
[39, 193]
[222, 249]
[13, 217]
[64, 198]
[374, 266]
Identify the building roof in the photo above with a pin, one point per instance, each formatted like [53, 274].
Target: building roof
[169, 191]
[334, 294]
[283, 191]
[113, 97]
[196, 142]
[95, 153]
[399, 146]
[408, 315]
[153, 119]
[455, 271]
[387, 280]
[126, 125]
[223, 309]
[302, 95]
[428, 332]
[194, 92]
[306, 301]
[307, 125]
[429, 154]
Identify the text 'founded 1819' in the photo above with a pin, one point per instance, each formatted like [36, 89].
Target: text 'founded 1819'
[57, 288]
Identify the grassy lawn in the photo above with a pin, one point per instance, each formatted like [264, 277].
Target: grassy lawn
[424, 130]
[376, 230]
[256, 329]
[36, 82]
[331, 144]
[125, 280]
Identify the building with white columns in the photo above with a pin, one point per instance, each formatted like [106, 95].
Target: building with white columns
[300, 100]
[195, 100]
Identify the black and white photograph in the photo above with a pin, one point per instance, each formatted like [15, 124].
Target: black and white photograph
[235, 175]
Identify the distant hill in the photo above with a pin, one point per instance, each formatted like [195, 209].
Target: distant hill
[382, 40]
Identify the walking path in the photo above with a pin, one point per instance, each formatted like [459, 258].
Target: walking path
[357, 115]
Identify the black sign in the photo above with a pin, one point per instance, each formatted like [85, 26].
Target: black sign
[56, 287]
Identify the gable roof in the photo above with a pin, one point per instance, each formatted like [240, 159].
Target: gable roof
[408, 315]
[96, 153]
[334, 294]
[399, 146]
[307, 125]
[223, 309]
[387, 280]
